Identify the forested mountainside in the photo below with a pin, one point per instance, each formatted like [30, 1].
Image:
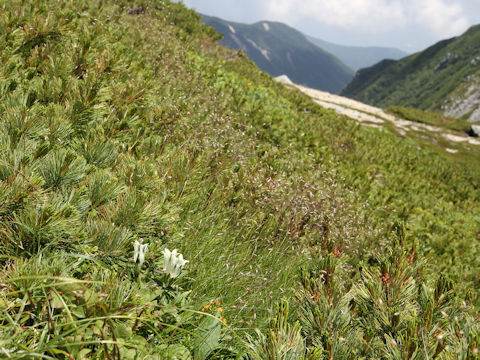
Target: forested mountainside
[163, 198]
[279, 49]
[444, 77]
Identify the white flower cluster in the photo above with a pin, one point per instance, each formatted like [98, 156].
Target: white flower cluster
[173, 262]
[139, 251]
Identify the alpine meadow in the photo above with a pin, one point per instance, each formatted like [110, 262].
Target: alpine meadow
[163, 198]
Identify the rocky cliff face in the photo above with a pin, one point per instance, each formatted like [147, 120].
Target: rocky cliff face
[466, 101]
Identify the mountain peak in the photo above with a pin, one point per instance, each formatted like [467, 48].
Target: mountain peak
[280, 49]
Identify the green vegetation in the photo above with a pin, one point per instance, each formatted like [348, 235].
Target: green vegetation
[456, 152]
[424, 80]
[124, 125]
[430, 118]
[279, 49]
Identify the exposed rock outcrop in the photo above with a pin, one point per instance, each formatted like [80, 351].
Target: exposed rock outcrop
[463, 104]
[476, 130]
[447, 60]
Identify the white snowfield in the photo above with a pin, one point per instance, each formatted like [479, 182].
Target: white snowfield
[372, 116]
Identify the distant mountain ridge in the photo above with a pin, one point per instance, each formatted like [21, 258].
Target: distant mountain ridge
[445, 77]
[357, 57]
[279, 49]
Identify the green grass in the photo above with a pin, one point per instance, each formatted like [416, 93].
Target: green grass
[465, 154]
[430, 118]
[120, 126]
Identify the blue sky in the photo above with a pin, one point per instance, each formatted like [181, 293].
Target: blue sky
[410, 25]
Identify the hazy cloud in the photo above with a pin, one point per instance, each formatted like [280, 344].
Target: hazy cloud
[409, 24]
[439, 16]
[444, 19]
[367, 15]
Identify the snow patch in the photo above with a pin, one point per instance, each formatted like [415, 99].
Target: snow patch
[289, 57]
[460, 139]
[372, 115]
[266, 26]
[232, 29]
[284, 79]
[264, 52]
[358, 115]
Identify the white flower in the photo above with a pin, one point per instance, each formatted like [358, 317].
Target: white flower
[139, 251]
[173, 262]
[136, 248]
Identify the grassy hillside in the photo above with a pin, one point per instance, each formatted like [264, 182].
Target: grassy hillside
[125, 125]
[279, 49]
[430, 118]
[425, 80]
[358, 57]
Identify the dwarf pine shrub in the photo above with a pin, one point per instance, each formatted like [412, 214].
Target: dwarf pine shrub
[124, 122]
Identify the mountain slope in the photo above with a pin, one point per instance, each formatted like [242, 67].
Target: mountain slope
[443, 77]
[429, 130]
[279, 49]
[127, 130]
[357, 57]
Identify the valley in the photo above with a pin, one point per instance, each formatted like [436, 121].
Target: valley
[358, 57]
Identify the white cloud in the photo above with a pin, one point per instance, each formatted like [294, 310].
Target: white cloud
[408, 24]
[366, 14]
[369, 16]
[443, 19]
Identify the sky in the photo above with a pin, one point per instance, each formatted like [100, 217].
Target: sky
[410, 25]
